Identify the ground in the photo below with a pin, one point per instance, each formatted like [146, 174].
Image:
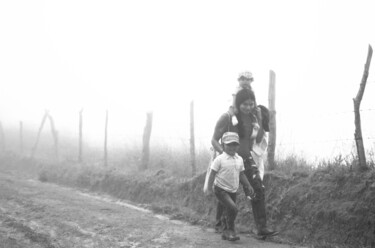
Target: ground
[327, 207]
[34, 214]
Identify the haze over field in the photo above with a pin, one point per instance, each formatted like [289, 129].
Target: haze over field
[132, 57]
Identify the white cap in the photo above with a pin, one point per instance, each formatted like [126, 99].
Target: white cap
[230, 137]
[245, 74]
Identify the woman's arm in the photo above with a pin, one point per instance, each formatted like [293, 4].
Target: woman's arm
[222, 125]
[246, 185]
[216, 145]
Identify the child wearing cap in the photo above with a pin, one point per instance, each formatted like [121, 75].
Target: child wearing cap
[260, 147]
[245, 79]
[227, 170]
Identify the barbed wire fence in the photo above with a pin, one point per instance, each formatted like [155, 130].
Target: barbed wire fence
[178, 144]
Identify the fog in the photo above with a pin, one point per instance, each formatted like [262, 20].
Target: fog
[134, 57]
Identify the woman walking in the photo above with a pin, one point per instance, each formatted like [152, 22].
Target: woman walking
[247, 129]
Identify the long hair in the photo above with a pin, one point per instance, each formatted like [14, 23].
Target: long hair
[241, 96]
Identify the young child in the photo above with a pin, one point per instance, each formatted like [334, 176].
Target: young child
[259, 148]
[227, 170]
[245, 79]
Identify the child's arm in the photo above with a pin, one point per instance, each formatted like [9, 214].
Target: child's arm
[211, 182]
[215, 167]
[233, 109]
[246, 185]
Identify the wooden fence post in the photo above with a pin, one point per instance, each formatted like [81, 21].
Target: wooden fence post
[80, 137]
[106, 139]
[2, 138]
[21, 137]
[33, 150]
[55, 136]
[357, 118]
[272, 123]
[146, 142]
[192, 140]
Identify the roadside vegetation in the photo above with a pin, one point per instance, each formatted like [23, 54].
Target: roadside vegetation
[324, 205]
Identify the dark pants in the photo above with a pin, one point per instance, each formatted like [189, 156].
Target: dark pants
[228, 208]
[253, 176]
[258, 203]
[219, 216]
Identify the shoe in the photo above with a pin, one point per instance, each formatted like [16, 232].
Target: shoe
[218, 229]
[266, 232]
[232, 236]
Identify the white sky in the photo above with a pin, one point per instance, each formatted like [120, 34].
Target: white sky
[134, 56]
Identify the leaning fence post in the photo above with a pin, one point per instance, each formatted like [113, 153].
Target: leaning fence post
[146, 142]
[55, 136]
[272, 122]
[357, 118]
[33, 150]
[192, 140]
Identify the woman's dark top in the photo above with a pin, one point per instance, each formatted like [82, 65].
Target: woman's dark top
[224, 124]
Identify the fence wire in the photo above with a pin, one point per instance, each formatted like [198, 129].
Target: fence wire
[176, 138]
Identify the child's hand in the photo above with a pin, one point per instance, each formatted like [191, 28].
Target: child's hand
[258, 113]
[234, 120]
[231, 110]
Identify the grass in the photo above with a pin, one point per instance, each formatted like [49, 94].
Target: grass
[325, 204]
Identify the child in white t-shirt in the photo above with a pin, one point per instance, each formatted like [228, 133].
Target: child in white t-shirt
[227, 170]
[259, 148]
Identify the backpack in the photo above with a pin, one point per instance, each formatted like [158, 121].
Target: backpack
[265, 118]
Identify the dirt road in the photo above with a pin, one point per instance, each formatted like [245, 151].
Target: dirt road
[35, 214]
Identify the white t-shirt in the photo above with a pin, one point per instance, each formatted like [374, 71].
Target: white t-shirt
[228, 170]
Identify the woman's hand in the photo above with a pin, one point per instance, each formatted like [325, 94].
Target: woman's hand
[258, 113]
[249, 191]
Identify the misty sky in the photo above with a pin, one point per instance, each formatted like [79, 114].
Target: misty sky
[135, 56]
